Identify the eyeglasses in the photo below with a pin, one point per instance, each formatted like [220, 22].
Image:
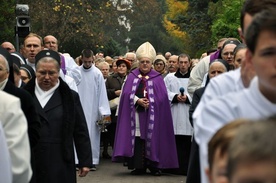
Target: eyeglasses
[50, 73]
[145, 62]
[227, 53]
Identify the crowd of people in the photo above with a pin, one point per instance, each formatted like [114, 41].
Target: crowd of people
[211, 119]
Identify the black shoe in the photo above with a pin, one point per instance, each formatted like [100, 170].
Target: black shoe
[106, 156]
[93, 168]
[156, 173]
[138, 172]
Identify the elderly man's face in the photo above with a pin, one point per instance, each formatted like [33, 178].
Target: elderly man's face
[131, 57]
[145, 65]
[47, 74]
[4, 74]
[173, 63]
[8, 46]
[50, 42]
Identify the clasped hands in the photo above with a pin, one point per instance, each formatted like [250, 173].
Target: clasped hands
[144, 102]
[181, 98]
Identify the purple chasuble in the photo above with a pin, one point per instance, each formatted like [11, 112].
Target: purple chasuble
[215, 55]
[156, 125]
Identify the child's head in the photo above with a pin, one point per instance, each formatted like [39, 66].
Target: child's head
[217, 151]
[252, 153]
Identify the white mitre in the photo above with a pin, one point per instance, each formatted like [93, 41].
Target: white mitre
[146, 50]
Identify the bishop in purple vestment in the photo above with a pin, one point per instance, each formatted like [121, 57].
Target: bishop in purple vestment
[144, 134]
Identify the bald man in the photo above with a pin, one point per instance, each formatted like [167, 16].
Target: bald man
[8, 46]
[70, 67]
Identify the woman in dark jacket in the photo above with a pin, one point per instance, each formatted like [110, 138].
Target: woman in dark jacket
[62, 124]
[113, 85]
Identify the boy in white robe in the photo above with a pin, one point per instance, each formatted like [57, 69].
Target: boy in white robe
[93, 96]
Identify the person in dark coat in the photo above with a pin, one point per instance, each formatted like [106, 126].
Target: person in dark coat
[113, 86]
[63, 124]
[26, 100]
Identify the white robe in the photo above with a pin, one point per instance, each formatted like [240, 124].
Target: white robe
[69, 80]
[248, 103]
[218, 86]
[197, 75]
[5, 160]
[15, 127]
[72, 69]
[93, 96]
[180, 111]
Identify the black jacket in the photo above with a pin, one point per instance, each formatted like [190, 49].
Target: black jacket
[63, 126]
[29, 109]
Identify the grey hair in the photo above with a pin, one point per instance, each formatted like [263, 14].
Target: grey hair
[217, 61]
[102, 64]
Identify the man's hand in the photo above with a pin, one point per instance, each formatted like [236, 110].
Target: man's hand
[83, 171]
[181, 98]
[118, 92]
[144, 102]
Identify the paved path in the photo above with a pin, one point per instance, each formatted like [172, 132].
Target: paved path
[110, 172]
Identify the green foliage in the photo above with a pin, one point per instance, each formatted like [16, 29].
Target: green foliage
[226, 15]
[112, 48]
[7, 21]
[190, 26]
[196, 23]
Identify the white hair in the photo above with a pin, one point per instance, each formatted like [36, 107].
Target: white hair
[102, 64]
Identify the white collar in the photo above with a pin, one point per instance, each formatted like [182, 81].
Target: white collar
[44, 96]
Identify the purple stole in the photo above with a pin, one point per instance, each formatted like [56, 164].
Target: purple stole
[150, 93]
[63, 64]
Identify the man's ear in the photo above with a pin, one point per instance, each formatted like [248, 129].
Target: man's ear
[241, 35]
[208, 174]
[248, 57]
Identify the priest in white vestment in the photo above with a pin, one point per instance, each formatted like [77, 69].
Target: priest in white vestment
[93, 96]
[180, 104]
